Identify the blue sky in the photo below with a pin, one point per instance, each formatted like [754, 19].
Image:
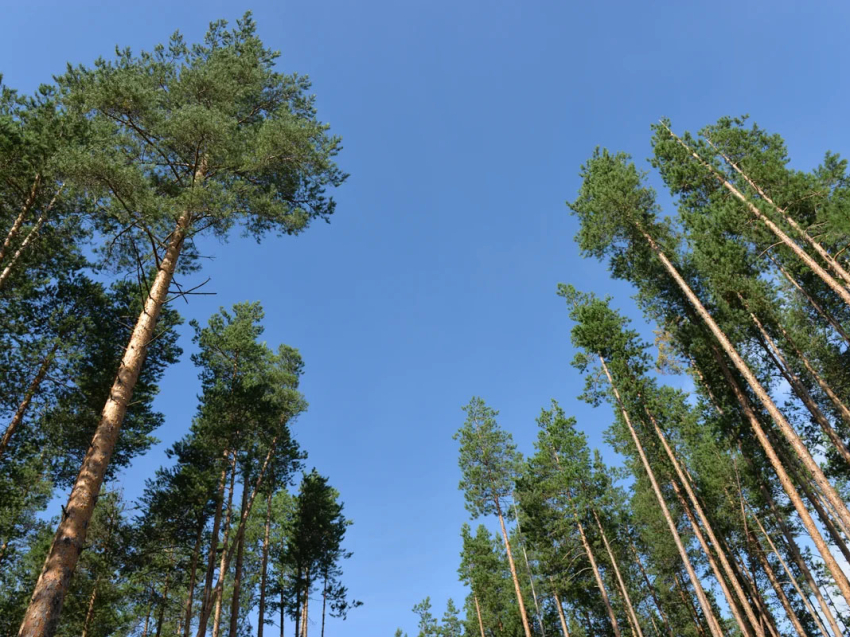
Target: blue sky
[464, 126]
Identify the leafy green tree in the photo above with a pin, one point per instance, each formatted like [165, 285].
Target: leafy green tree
[185, 140]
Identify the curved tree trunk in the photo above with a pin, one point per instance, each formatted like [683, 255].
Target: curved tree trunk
[42, 615]
[713, 624]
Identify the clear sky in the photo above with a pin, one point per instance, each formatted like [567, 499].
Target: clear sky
[464, 126]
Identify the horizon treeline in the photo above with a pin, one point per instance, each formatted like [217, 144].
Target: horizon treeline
[108, 177]
[728, 515]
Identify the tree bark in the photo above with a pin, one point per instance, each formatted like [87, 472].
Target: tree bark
[801, 563]
[324, 605]
[218, 593]
[264, 567]
[163, 605]
[727, 569]
[18, 418]
[22, 215]
[775, 354]
[305, 616]
[237, 576]
[651, 589]
[192, 574]
[478, 612]
[42, 615]
[841, 272]
[564, 630]
[784, 426]
[520, 601]
[826, 315]
[530, 574]
[208, 580]
[782, 474]
[90, 610]
[825, 276]
[713, 625]
[624, 591]
[783, 599]
[599, 583]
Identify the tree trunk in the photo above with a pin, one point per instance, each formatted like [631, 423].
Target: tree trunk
[42, 615]
[775, 354]
[784, 426]
[324, 605]
[801, 563]
[228, 551]
[264, 567]
[790, 575]
[599, 583]
[297, 612]
[218, 593]
[520, 601]
[18, 418]
[689, 604]
[478, 612]
[163, 605]
[624, 591]
[825, 276]
[7, 271]
[826, 315]
[782, 474]
[148, 615]
[192, 574]
[727, 569]
[282, 612]
[22, 215]
[237, 577]
[651, 589]
[564, 630]
[530, 573]
[662, 503]
[841, 272]
[305, 616]
[90, 610]
[208, 580]
[768, 569]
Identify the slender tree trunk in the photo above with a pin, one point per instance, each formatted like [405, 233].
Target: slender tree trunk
[297, 612]
[784, 426]
[730, 599]
[830, 261]
[163, 605]
[148, 615]
[520, 601]
[208, 580]
[193, 569]
[727, 569]
[599, 583]
[784, 478]
[624, 591]
[90, 610]
[218, 593]
[713, 625]
[18, 418]
[19, 220]
[228, 551]
[790, 575]
[42, 615]
[7, 271]
[779, 361]
[530, 573]
[282, 613]
[688, 601]
[564, 630]
[264, 567]
[825, 276]
[826, 315]
[306, 607]
[651, 588]
[774, 582]
[478, 612]
[324, 605]
[237, 577]
[801, 563]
